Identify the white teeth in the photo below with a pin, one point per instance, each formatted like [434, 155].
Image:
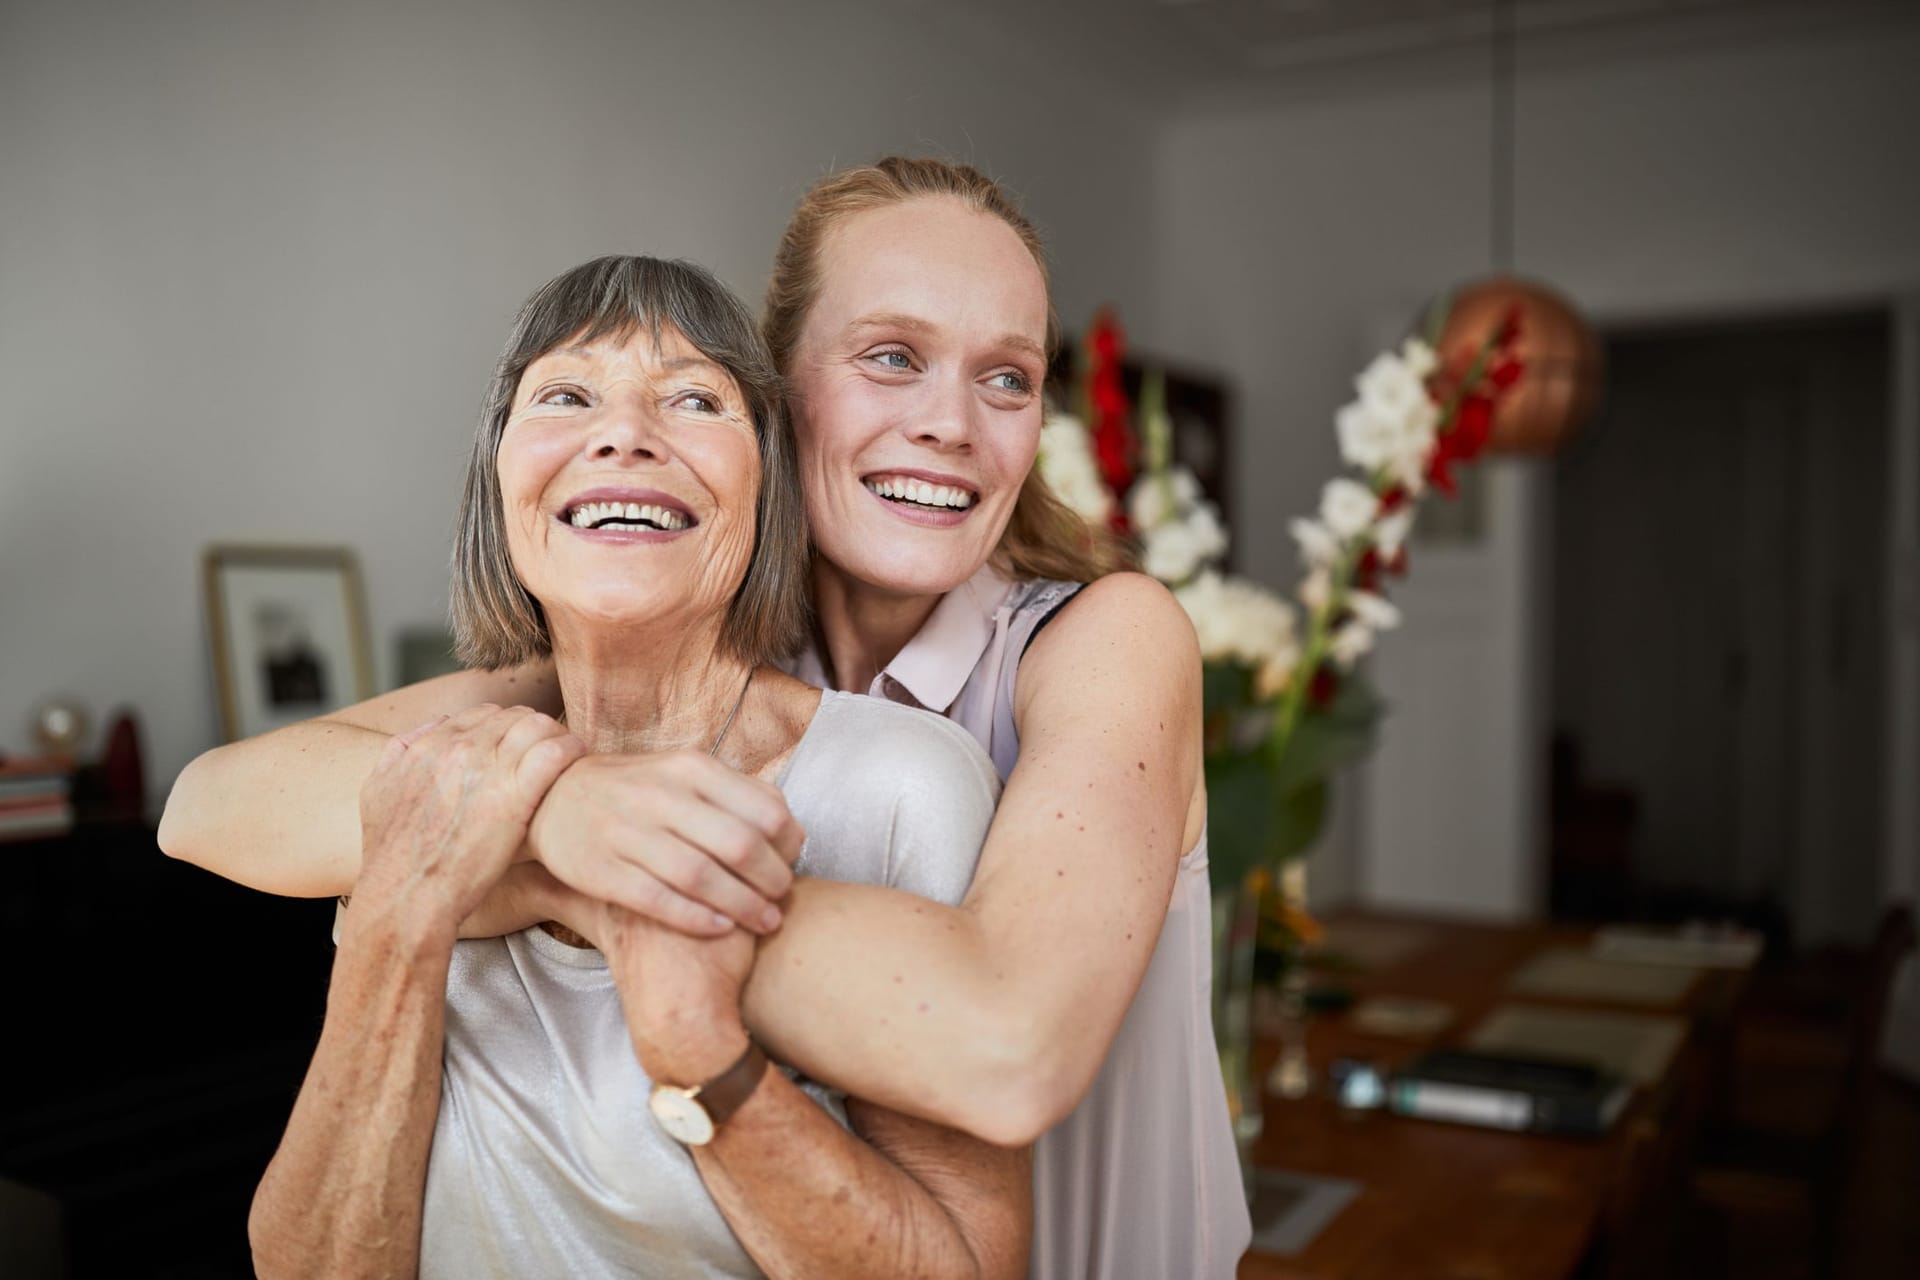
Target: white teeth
[589, 515]
[921, 494]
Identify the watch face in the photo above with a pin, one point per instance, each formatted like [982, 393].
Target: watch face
[684, 1119]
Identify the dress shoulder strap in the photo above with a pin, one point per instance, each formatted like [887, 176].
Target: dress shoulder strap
[1031, 607]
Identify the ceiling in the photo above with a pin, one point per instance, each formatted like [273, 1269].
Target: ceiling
[1200, 51]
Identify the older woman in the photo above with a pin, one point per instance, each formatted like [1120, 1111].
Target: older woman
[531, 1106]
[1066, 999]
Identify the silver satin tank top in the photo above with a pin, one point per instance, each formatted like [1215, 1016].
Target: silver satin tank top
[545, 1160]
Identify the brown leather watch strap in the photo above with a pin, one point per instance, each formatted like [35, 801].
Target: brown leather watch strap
[727, 1092]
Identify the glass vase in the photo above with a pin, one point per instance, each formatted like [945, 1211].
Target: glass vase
[1236, 920]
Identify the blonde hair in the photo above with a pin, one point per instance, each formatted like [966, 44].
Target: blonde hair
[1044, 538]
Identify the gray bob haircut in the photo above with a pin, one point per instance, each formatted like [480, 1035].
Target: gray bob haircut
[496, 623]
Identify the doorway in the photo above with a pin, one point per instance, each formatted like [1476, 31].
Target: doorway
[1719, 622]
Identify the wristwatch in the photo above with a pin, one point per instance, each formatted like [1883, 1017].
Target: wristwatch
[690, 1116]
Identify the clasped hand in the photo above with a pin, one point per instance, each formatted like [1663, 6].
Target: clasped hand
[497, 819]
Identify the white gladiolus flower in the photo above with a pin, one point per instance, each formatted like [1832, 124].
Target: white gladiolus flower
[1316, 591]
[1154, 500]
[1276, 673]
[1174, 552]
[1398, 446]
[1347, 507]
[1366, 440]
[1350, 644]
[1420, 359]
[1391, 534]
[1390, 388]
[1067, 465]
[1372, 610]
[1318, 546]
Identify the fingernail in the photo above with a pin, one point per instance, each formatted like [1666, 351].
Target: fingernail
[770, 919]
[722, 922]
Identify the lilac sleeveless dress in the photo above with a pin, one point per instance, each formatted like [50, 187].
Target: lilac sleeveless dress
[1141, 1181]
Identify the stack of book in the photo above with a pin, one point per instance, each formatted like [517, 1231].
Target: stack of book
[1505, 1092]
[36, 797]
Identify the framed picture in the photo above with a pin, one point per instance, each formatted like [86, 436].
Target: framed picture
[289, 633]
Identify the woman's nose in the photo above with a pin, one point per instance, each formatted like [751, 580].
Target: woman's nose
[946, 416]
[627, 431]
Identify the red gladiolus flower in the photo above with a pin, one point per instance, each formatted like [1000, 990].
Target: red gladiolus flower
[1113, 442]
[1323, 687]
[1366, 574]
[1393, 499]
[1472, 425]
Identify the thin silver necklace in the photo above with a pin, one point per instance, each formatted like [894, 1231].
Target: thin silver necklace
[738, 702]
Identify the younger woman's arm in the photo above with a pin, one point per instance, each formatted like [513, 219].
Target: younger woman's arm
[689, 841]
[281, 812]
[994, 1016]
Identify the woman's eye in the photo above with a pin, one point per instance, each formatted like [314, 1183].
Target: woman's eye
[893, 360]
[564, 397]
[699, 402]
[1013, 381]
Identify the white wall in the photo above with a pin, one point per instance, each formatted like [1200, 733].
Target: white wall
[256, 260]
[1740, 177]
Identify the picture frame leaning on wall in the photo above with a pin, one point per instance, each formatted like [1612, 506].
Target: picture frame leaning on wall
[287, 627]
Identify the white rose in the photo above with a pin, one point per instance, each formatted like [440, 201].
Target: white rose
[1376, 612]
[1237, 621]
[1318, 546]
[1347, 507]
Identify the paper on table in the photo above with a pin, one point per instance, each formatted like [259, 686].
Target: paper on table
[1634, 1046]
[1718, 948]
[1289, 1209]
[1571, 973]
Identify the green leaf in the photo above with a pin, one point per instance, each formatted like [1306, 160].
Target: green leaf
[1326, 739]
[1224, 687]
[1299, 817]
[1251, 822]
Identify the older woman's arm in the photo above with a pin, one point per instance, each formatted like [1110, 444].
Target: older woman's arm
[342, 1196]
[444, 811]
[807, 1198]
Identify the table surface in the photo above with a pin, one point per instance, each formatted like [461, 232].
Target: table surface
[1437, 1199]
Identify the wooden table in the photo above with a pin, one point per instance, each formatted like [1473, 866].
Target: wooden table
[1446, 1200]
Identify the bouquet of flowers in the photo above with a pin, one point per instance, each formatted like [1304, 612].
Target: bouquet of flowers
[1287, 703]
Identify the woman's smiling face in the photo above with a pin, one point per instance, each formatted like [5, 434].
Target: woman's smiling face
[628, 476]
[916, 392]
